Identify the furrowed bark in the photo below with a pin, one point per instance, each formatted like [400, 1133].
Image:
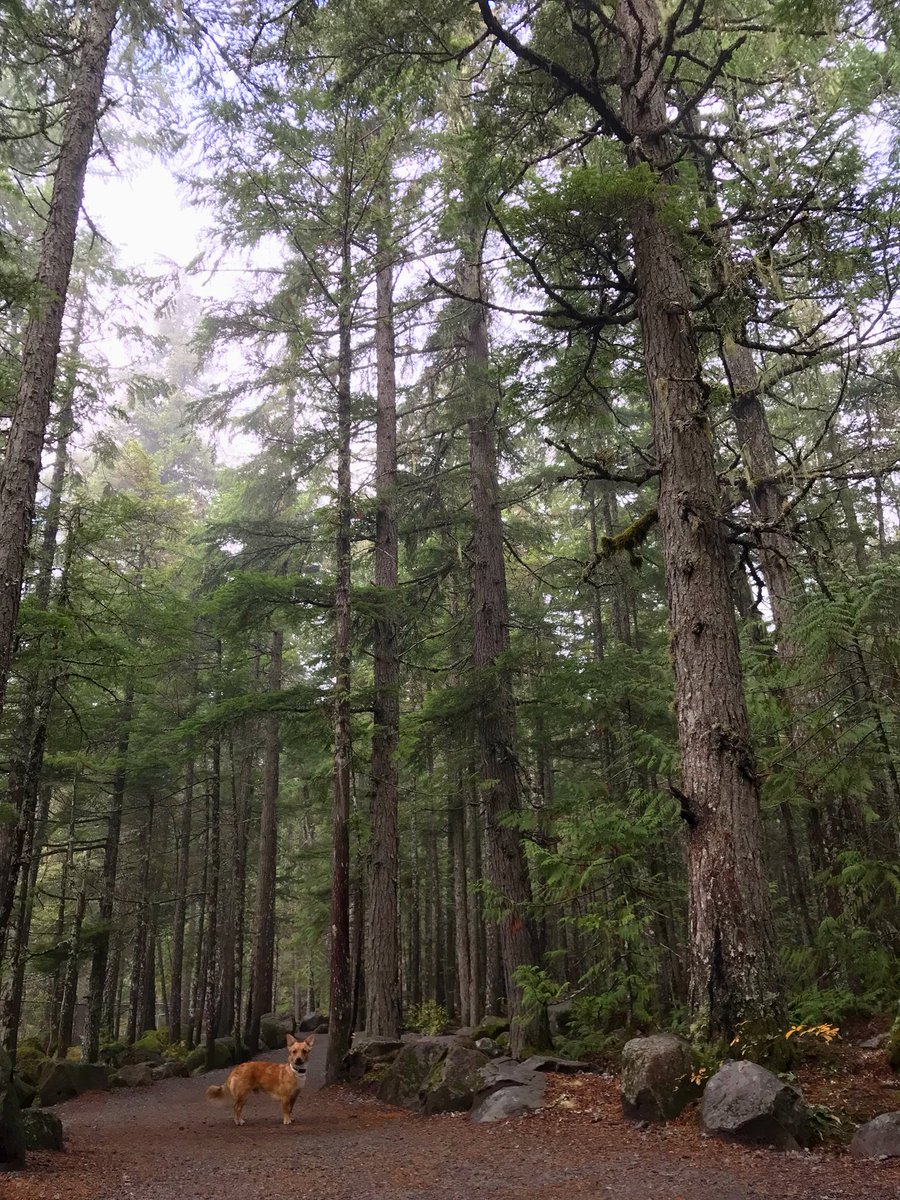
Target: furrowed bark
[734, 973]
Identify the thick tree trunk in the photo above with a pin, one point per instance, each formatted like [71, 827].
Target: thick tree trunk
[340, 966]
[262, 981]
[734, 972]
[28, 759]
[31, 408]
[507, 868]
[382, 932]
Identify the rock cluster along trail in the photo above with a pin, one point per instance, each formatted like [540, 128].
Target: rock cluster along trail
[166, 1143]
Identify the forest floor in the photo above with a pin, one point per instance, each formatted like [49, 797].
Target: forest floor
[167, 1143]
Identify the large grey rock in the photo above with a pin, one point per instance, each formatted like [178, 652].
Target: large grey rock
[746, 1103]
[313, 1022]
[170, 1070]
[64, 1080]
[406, 1076]
[877, 1042]
[560, 1017]
[504, 1072]
[558, 1066]
[12, 1132]
[879, 1138]
[134, 1075]
[43, 1129]
[139, 1055]
[274, 1028]
[368, 1053]
[453, 1081]
[488, 1046]
[656, 1077]
[509, 1100]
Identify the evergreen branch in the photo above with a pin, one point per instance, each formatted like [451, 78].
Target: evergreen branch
[599, 470]
[556, 71]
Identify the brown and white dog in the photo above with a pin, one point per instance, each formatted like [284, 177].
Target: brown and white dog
[281, 1080]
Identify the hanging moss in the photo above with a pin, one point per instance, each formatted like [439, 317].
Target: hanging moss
[629, 539]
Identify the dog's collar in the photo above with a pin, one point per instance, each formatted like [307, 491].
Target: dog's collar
[301, 1070]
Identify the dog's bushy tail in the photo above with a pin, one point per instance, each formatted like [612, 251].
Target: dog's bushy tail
[215, 1093]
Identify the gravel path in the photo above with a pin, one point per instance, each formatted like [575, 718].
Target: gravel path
[167, 1143]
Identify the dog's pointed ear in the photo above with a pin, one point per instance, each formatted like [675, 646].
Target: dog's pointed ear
[291, 1040]
[310, 1040]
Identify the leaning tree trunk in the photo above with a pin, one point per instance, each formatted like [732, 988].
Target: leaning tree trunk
[40, 351]
[382, 933]
[340, 967]
[733, 966]
[507, 869]
[262, 980]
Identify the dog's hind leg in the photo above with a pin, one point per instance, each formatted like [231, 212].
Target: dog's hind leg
[239, 1101]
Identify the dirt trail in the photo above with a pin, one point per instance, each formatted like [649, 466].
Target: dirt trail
[167, 1143]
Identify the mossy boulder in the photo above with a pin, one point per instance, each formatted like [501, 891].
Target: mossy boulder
[491, 1027]
[226, 1053]
[155, 1040]
[12, 1131]
[64, 1080]
[148, 1048]
[133, 1075]
[43, 1130]
[113, 1054]
[367, 1054]
[409, 1071]
[31, 1059]
[453, 1081]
